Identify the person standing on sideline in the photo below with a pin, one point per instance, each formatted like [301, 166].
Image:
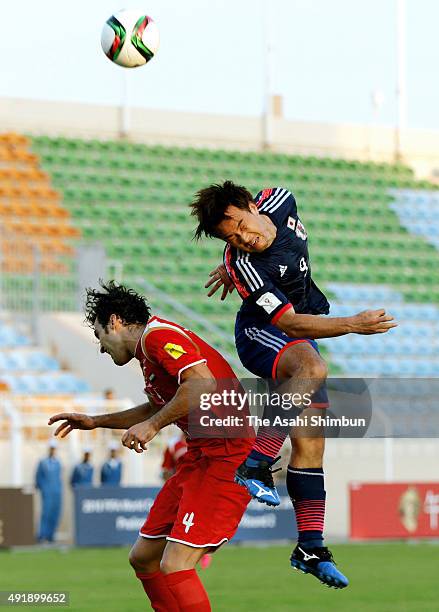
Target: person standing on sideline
[48, 482]
[83, 472]
[111, 471]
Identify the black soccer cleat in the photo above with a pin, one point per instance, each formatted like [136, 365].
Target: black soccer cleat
[319, 563]
[257, 477]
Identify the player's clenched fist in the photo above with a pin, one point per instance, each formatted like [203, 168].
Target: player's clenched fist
[137, 436]
[72, 420]
[372, 322]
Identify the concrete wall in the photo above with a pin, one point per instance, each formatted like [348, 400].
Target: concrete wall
[420, 147]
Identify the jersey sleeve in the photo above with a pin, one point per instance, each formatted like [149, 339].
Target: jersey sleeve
[254, 285]
[277, 202]
[172, 350]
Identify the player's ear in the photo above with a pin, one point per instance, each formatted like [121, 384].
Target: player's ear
[112, 321]
[253, 209]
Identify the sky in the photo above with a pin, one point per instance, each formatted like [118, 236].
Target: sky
[328, 57]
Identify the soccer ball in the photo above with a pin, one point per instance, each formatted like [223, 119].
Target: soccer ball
[130, 38]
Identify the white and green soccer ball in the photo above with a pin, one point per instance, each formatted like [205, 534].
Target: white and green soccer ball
[130, 38]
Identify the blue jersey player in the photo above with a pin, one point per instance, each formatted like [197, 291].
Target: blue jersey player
[266, 259]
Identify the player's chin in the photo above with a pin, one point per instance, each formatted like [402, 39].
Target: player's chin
[258, 247]
[254, 248]
[120, 361]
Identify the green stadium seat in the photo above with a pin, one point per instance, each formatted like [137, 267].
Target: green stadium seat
[134, 199]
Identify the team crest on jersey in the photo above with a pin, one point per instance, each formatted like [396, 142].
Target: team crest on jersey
[300, 230]
[175, 350]
[291, 223]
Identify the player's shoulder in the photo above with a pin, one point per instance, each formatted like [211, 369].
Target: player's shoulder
[158, 329]
[276, 202]
[159, 326]
[163, 335]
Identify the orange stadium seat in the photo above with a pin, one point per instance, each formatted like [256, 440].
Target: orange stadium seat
[32, 208]
[21, 265]
[13, 265]
[23, 155]
[12, 138]
[55, 210]
[8, 191]
[28, 174]
[55, 246]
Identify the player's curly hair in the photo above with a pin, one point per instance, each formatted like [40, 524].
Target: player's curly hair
[210, 205]
[116, 299]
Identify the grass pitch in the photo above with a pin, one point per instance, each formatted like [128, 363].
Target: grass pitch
[384, 578]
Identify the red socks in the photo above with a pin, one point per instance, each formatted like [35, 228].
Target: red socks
[162, 600]
[188, 591]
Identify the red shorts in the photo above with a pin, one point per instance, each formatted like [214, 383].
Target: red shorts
[201, 505]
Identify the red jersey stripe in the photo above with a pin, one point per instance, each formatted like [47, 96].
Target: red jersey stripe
[231, 272]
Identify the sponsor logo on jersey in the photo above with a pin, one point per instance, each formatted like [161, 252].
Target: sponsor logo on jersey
[269, 302]
[175, 350]
[300, 230]
[291, 223]
[282, 269]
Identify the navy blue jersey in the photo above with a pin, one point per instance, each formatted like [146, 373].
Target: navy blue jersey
[273, 280]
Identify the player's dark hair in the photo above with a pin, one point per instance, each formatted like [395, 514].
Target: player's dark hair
[210, 205]
[130, 306]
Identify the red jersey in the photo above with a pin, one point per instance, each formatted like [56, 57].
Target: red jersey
[174, 452]
[165, 350]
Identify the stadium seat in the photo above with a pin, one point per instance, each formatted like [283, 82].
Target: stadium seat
[362, 235]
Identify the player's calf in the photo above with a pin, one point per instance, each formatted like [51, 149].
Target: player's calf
[144, 558]
[178, 566]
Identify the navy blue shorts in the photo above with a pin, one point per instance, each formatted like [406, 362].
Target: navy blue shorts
[260, 346]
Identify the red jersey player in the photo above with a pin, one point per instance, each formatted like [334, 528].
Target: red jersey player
[200, 507]
[174, 452]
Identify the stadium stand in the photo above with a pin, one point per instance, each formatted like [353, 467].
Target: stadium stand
[363, 219]
[27, 370]
[36, 231]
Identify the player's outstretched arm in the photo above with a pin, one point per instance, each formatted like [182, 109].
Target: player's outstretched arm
[196, 380]
[218, 277]
[115, 420]
[311, 326]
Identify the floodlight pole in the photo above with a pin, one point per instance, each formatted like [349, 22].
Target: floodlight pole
[401, 85]
[267, 117]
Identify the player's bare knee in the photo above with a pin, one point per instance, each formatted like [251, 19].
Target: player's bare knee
[178, 557]
[142, 560]
[302, 361]
[175, 563]
[134, 559]
[316, 369]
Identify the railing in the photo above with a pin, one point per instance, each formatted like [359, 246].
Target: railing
[32, 281]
